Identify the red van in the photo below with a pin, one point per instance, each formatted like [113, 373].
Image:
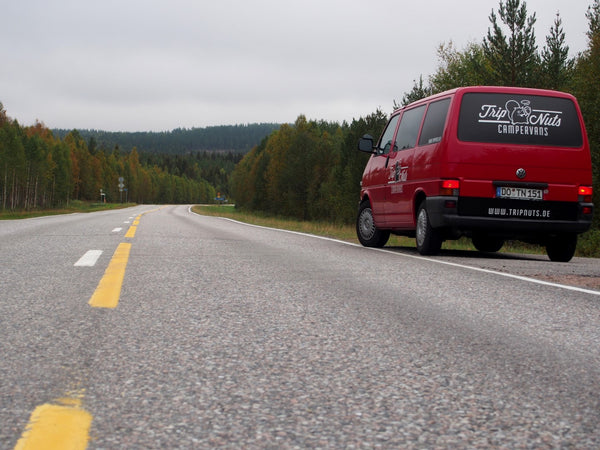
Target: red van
[490, 163]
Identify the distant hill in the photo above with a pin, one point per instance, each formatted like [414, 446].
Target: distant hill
[230, 138]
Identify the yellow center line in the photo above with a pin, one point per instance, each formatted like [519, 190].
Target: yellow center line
[131, 232]
[109, 289]
[132, 229]
[66, 425]
[57, 427]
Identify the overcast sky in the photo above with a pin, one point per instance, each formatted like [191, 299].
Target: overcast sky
[141, 65]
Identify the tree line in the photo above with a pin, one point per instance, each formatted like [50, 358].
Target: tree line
[213, 166]
[41, 170]
[311, 170]
[230, 138]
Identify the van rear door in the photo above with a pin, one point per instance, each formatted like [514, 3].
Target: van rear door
[519, 146]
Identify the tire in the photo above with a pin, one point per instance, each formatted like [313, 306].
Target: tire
[429, 240]
[368, 234]
[561, 248]
[488, 244]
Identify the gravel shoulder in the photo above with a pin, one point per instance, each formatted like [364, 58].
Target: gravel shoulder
[579, 272]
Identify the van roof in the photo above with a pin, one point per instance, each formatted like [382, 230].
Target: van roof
[490, 89]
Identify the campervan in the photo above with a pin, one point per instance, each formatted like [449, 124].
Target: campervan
[489, 163]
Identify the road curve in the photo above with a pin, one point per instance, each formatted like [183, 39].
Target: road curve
[233, 335]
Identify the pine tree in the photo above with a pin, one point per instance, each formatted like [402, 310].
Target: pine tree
[513, 58]
[459, 68]
[418, 92]
[557, 67]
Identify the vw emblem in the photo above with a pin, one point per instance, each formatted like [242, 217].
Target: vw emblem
[521, 173]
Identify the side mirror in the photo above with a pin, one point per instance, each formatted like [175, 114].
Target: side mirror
[365, 144]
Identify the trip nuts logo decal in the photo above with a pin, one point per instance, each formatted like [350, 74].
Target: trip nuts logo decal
[516, 117]
[518, 113]
[397, 176]
[398, 173]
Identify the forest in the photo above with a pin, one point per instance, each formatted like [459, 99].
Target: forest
[229, 138]
[42, 168]
[39, 170]
[312, 170]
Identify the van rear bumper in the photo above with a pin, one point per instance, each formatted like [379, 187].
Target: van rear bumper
[508, 217]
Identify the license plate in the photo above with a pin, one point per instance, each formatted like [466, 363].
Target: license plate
[519, 193]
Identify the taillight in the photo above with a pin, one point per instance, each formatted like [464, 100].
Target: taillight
[585, 194]
[450, 187]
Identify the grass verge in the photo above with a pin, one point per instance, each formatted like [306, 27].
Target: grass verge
[342, 232]
[74, 206]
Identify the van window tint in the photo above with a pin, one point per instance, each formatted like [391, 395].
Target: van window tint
[519, 119]
[386, 138]
[435, 119]
[409, 128]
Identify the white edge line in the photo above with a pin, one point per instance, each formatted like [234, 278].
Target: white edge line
[423, 258]
[494, 272]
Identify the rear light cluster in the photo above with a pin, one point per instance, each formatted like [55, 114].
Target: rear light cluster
[450, 188]
[585, 196]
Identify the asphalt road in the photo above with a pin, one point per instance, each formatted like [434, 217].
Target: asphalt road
[239, 336]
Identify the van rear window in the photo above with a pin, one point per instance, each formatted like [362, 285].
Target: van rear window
[519, 119]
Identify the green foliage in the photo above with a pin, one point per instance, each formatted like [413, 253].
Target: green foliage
[593, 16]
[460, 68]
[230, 138]
[586, 87]
[214, 167]
[41, 171]
[418, 92]
[589, 244]
[75, 206]
[557, 67]
[513, 57]
[307, 171]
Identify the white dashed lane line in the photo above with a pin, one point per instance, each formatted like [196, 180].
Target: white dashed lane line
[89, 259]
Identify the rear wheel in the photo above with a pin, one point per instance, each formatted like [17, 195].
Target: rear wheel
[429, 240]
[368, 234]
[561, 248]
[485, 243]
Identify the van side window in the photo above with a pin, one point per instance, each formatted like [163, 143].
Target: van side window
[435, 119]
[386, 139]
[409, 128]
